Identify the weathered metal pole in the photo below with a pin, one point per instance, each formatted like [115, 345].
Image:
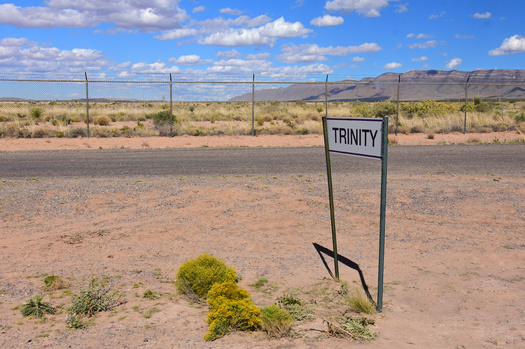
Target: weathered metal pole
[331, 199]
[384, 165]
[171, 107]
[397, 112]
[466, 101]
[253, 105]
[326, 96]
[87, 104]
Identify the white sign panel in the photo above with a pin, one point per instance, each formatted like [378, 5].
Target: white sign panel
[355, 136]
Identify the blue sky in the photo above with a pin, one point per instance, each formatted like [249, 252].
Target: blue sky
[281, 40]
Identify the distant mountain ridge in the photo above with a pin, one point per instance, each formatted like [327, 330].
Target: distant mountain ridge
[415, 85]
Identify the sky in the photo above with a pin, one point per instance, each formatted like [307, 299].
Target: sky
[286, 40]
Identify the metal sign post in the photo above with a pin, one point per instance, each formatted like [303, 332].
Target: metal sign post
[363, 137]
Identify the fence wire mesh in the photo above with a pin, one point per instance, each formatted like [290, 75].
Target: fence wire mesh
[67, 108]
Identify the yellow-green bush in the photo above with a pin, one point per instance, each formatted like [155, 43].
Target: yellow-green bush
[197, 276]
[276, 321]
[231, 308]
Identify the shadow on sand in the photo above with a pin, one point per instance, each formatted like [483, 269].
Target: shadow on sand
[343, 260]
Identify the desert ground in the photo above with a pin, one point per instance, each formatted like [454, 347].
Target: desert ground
[18, 144]
[454, 268]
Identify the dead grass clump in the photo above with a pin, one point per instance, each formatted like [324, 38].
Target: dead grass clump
[403, 129]
[360, 303]
[483, 129]
[521, 128]
[41, 132]
[102, 121]
[417, 129]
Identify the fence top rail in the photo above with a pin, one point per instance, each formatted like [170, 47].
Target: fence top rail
[270, 82]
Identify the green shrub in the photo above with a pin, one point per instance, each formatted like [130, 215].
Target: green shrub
[293, 304]
[36, 307]
[95, 297]
[54, 282]
[428, 108]
[276, 321]
[231, 308]
[36, 113]
[150, 294]
[385, 109]
[56, 122]
[196, 276]
[360, 328]
[161, 118]
[74, 321]
[481, 106]
[520, 118]
[260, 282]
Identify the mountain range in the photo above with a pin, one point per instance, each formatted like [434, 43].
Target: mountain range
[414, 85]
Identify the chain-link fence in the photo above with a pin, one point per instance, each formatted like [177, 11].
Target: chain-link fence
[85, 107]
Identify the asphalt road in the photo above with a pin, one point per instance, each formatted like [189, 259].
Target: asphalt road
[504, 159]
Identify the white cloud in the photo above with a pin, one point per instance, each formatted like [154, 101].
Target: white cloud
[401, 8]
[358, 59]
[198, 9]
[190, 60]
[266, 69]
[428, 44]
[144, 15]
[420, 59]
[458, 36]
[153, 68]
[437, 16]
[264, 55]
[231, 11]
[454, 62]
[482, 15]
[264, 35]
[220, 24]
[22, 53]
[176, 34]
[312, 52]
[513, 45]
[327, 21]
[367, 8]
[229, 54]
[237, 66]
[392, 65]
[420, 36]
[298, 3]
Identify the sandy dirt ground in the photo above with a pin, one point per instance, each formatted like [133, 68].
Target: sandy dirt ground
[454, 268]
[13, 144]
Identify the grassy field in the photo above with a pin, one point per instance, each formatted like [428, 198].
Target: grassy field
[121, 119]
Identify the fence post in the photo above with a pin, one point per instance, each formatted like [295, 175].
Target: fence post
[171, 107]
[87, 104]
[326, 96]
[466, 100]
[253, 105]
[397, 112]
